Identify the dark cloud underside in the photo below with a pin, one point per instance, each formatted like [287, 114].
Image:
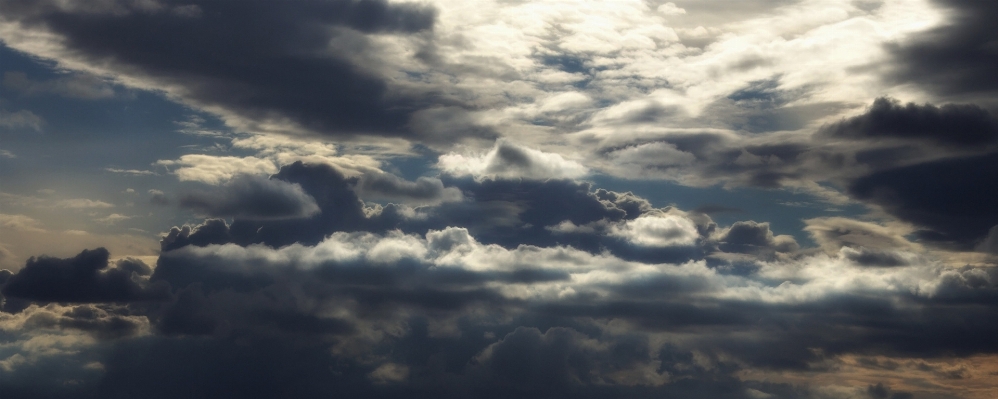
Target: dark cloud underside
[953, 198]
[85, 278]
[260, 60]
[958, 58]
[955, 125]
[251, 197]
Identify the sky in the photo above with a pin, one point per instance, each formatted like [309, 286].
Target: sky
[754, 199]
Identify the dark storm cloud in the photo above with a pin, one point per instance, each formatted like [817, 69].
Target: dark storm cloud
[291, 305]
[953, 199]
[260, 61]
[888, 135]
[963, 125]
[559, 358]
[386, 186]
[339, 209]
[83, 278]
[495, 211]
[253, 198]
[957, 58]
[212, 231]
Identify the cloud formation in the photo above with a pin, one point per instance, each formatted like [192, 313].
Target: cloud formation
[84, 278]
[286, 74]
[508, 160]
[393, 199]
[957, 125]
[254, 198]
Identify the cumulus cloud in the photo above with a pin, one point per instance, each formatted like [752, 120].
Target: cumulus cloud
[81, 279]
[423, 191]
[586, 322]
[503, 277]
[253, 197]
[658, 231]
[754, 237]
[508, 160]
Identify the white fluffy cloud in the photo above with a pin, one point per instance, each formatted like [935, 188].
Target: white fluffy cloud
[217, 169]
[658, 231]
[508, 160]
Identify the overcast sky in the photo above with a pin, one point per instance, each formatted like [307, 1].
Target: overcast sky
[499, 198]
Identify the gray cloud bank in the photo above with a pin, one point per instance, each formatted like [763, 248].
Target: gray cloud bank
[532, 288]
[257, 62]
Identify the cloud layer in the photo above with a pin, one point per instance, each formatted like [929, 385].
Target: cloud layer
[389, 199]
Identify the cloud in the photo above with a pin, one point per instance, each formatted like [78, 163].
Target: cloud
[212, 231]
[990, 242]
[84, 278]
[833, 233]
[943, 197]
[79, 86]
[563, 359]
[20, 119]
[504, 212]
[158, 197]
[20, 222]
[324, 87]
[339, 208]
[658, 231]
[876, 258]
[503, 277]
[754, 237]
[285, 150]
[649, 160]
[252, 197]
[507, 160]
[963, 125]
[131, 172]
[102, 321]
[82, 203]
[424, 191]
[404, 311]
[113, 218]
[216, 169]
[953, 58]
